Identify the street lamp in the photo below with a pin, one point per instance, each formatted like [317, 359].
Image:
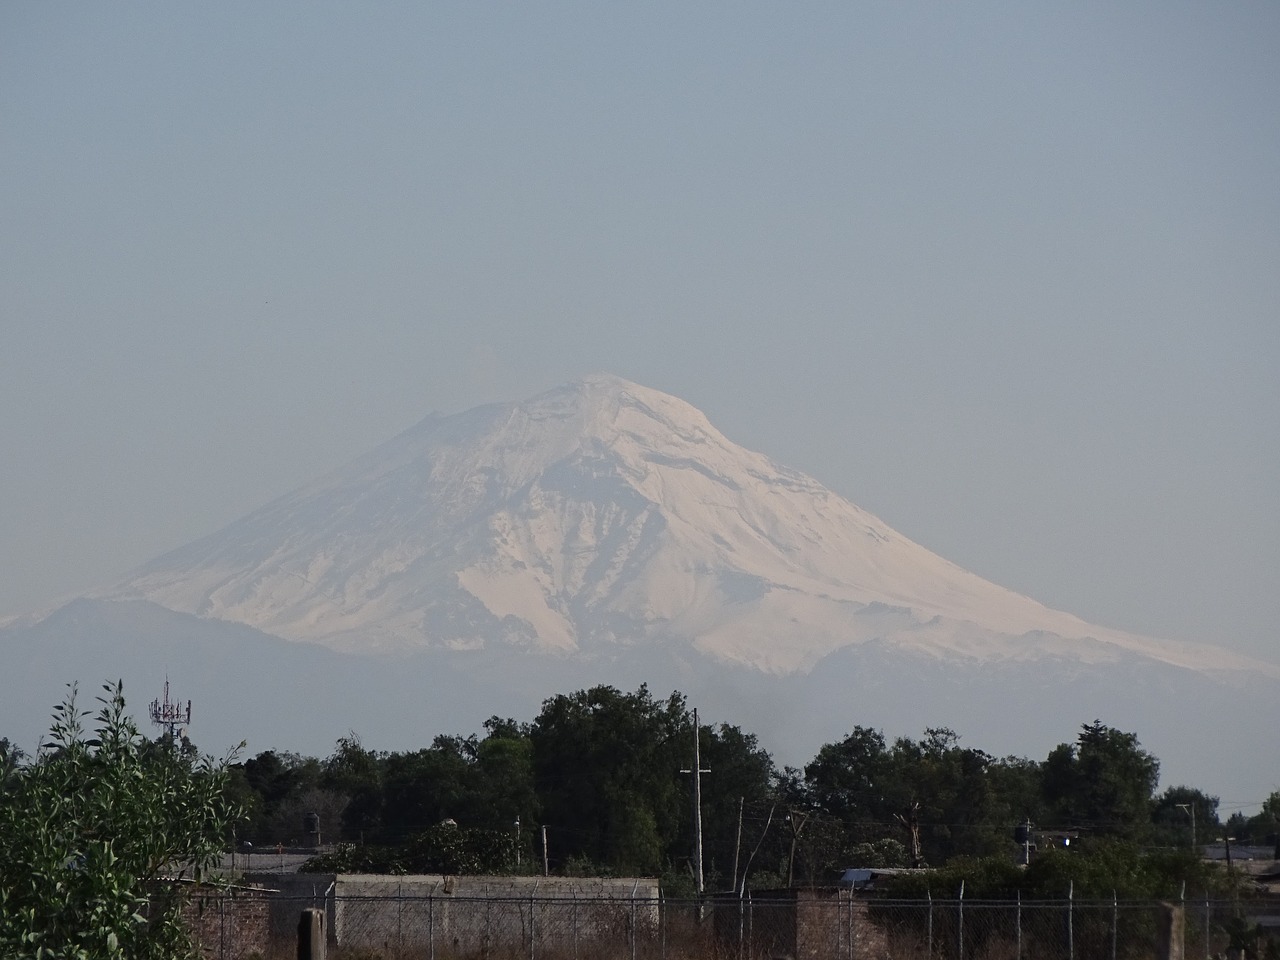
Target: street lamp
[1191, 811]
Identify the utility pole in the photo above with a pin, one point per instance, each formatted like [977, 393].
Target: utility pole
[796, 820]
[1191, 811]
[742, 887]
[737, 844]
[697, 772]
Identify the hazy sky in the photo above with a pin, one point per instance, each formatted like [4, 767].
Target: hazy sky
[1006, 275]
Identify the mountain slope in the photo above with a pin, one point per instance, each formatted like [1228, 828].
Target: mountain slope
[599, 516]
[278, 694]
[606, 533]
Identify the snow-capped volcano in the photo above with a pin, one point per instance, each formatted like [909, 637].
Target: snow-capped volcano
[598, 516]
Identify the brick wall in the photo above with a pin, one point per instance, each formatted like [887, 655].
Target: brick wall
[230, 924]
[814, 924]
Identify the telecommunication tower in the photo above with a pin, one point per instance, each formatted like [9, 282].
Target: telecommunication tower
[171, 715]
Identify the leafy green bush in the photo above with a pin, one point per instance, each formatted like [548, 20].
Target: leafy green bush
[93, 832]
[444, 848]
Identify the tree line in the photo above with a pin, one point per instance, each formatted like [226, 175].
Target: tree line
[599, 784]
[96, 821]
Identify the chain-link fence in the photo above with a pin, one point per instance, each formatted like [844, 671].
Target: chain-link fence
[1049, 930]
[810, 924]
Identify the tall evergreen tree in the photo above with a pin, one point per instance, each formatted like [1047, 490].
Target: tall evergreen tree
[1104, 783]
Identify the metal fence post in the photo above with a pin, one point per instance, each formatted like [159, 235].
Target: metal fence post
[960, 924]
[1071, 929]
[1182, 902]
[1115, 922]
[1170, 932]
[928, 926]
[662, 927]
[1207, 920]
[742, 923]
[311, 936]
[1018, 923]
[533, 929]
[851, 928]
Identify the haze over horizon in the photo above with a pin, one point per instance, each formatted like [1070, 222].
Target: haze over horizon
[1002, 276]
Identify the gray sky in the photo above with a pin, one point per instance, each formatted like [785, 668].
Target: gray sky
[1007, 275]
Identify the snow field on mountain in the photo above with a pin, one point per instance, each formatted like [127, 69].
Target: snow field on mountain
[596, 517]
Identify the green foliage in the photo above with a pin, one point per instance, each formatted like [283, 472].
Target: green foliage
[503, 777]
[444, 848]
[10, 757]
[984, 878]
[1105, 782]
[425, 787]
[880, 853]
[1182, 815]
[600, 769]
[1105, 868]
[607, 767]
[357, 858]
[847, 780]
[605, 772]
[1262, 828]
[356, 773]
[955, 800]
[278, 790]
[92, 830]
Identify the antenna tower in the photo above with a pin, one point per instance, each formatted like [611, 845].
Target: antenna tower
[171, 715]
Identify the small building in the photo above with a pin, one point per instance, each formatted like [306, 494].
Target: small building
[468, 914]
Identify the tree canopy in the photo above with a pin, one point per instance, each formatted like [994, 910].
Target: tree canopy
[602, 777]
[605, 774]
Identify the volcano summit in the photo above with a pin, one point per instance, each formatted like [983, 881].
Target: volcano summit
[595, 517]
[603, 532]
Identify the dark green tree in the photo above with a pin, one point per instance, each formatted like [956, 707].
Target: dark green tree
[10, 756]
[1104, 782]
[1261, 828]
[846, 800]
[278, 790]
[935, 797]
[740, 778]
[606, 765]
[478, 783]
[356, 774]
[941, 792]
[504, 777]
[1016, 785]
[1183, 816]
[849, 781]
[424, 787]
